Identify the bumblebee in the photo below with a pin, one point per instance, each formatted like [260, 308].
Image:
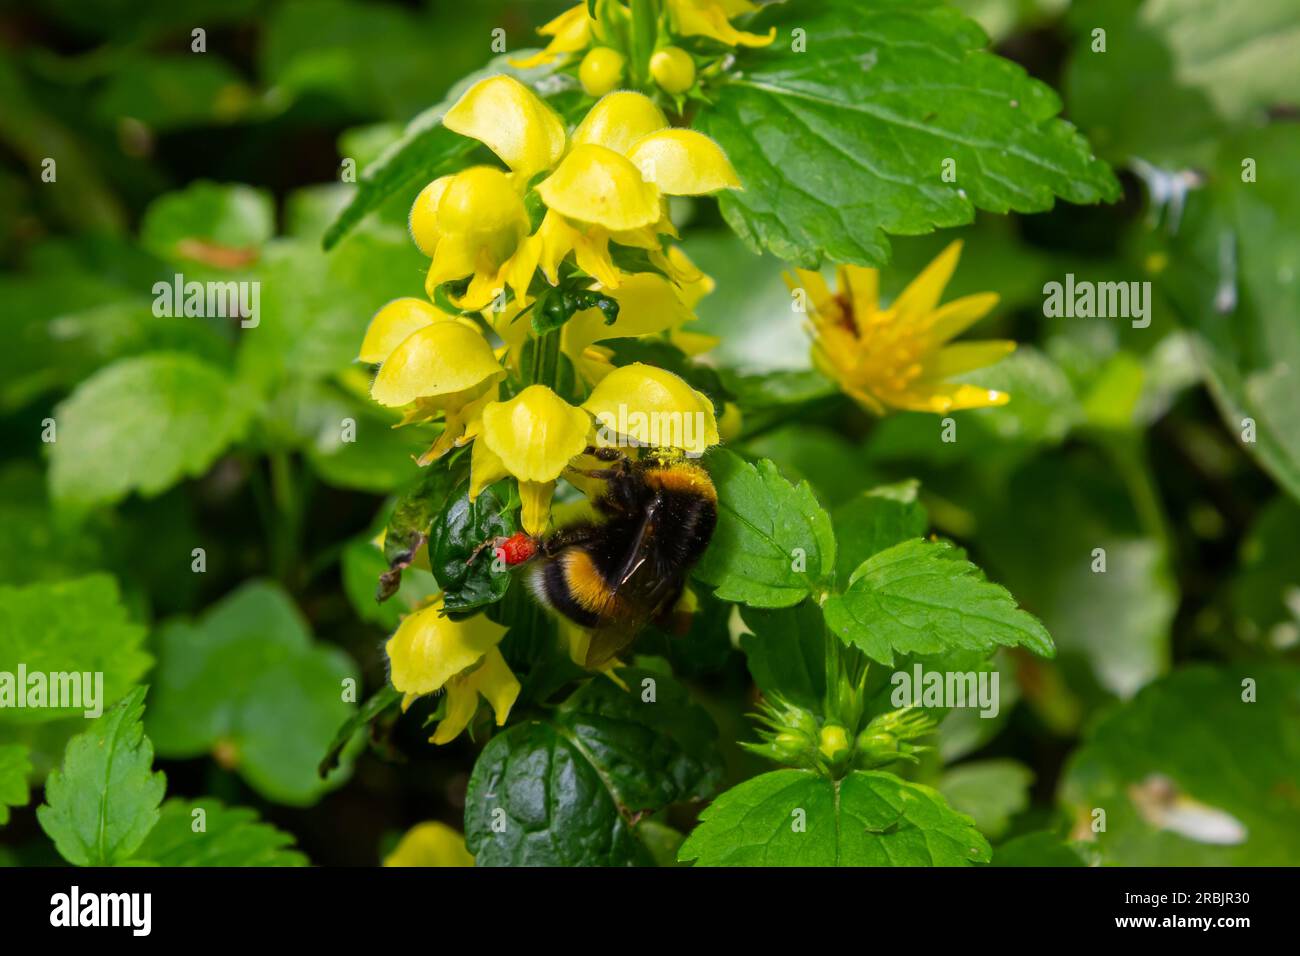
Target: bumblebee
[628, 569]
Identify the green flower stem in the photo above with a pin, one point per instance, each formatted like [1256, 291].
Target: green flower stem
[544, 369]
[287, 495]
[643, 32]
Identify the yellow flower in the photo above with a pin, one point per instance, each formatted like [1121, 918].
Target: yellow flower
[481, 221]
[393, 324]
[609, 183]
[574, 30]
[443, 367]
[612, 185]
[710, 18]
[898, 357]
[534, 437]
[651, 406]
[430, 844]
[430, 652]
[472, 223]
[569, 32]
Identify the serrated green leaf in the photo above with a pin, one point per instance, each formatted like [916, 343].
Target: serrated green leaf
[570, 789]
[157, 418]
[830, 463]
[843, 142]
[69, 627]
[1191, 774]
[15, 767]
[767, 528]
[458, 532]
[247, 683]
[225, 836]
[800, 818]
[103, 801]
[922, 597]
[875, 520]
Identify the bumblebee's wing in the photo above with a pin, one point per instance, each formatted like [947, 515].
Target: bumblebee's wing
[641, 596]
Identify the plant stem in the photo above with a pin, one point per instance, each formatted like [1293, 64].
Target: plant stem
[288, 515]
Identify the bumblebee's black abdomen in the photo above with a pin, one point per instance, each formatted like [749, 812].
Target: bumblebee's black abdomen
[550, 584]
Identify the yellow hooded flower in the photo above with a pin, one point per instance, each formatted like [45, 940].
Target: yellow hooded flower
[430, 844]
[443, 367]
[574, 30]
[898, 357]
[612, 185]
[431, 652]
[472, 223]
[480, 223]
[710, 18]
[569, 33]
[393, 324]
[533, 436]
[624, 159]
[609, 183]
[651, 406]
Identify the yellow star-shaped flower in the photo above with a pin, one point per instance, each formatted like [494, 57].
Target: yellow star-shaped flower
[899, 357]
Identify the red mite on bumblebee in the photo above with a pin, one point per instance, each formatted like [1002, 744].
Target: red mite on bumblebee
[627, 570]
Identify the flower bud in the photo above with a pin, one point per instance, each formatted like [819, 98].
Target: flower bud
[601, 70]
[834, 742]
[673, 69]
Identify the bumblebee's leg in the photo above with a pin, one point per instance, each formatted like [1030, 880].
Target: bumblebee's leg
[606, 453]
[493, 543]
[577, 534]
[604, 474]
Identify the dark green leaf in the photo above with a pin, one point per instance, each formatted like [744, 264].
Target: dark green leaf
[570, 789]
[458, 533]
[844, 142]
[379, 703]
[787, 652]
